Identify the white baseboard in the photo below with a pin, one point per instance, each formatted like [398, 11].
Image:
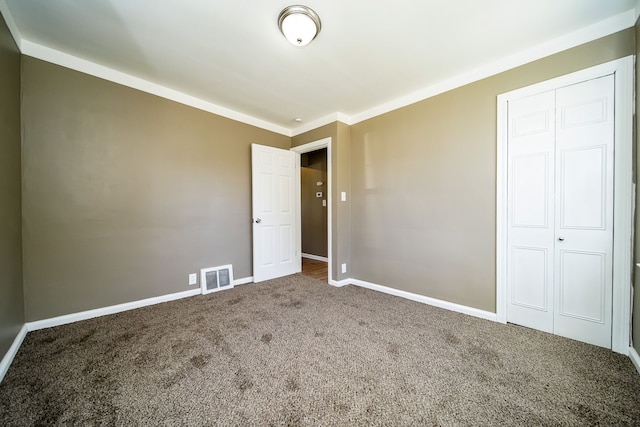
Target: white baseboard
[13, 350]
[70, 318]
[426, 300]
[316, 257]
[635, 358]
[243, 281]
[84, 315]
[89, 314]
[339, 283]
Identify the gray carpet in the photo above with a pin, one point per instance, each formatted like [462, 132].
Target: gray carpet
[295, 351]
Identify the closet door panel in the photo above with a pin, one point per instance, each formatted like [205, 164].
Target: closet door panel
[584, 211]
[531, 168]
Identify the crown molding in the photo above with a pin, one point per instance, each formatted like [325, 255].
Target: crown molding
[66, 60]
[593, 32]
[598, 30]
[601, 29]
[330, 118]
[57, 57]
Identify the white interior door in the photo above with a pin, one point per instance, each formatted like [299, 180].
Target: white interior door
[274, 227]
[560, 211]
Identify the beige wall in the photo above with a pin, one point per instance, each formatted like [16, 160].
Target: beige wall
[423, 180]
[340, 181]
[313, 213]
[11, 295]
[126, 193]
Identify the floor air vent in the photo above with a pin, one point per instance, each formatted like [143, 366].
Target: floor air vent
[215, 279]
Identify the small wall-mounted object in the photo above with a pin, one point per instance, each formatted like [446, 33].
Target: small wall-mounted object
[215, 279]
[319, 194]
[319, 183]
[343, 196]
[324, 203]
[193, 279]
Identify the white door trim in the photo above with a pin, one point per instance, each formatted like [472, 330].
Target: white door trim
[306, 148]
[623, 190]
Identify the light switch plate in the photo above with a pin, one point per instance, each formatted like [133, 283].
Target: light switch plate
[344, 268]
[343, 196]
[324, 203]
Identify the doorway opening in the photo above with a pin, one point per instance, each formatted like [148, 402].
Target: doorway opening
[313, 213]
[313, 164]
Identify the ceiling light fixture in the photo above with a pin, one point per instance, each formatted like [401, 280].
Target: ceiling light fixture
[299, 24]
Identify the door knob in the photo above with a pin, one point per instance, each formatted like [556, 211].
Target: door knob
[561, 239]
[258, 220]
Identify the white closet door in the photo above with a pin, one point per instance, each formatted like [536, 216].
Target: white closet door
[584, 211]
[560, 206]
[531, 157]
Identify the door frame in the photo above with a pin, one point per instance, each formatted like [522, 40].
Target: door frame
[299, 150]
[623, 193]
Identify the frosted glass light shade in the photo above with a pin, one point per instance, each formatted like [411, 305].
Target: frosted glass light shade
[299, 24]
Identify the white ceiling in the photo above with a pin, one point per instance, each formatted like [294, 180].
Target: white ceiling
[371, 56]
